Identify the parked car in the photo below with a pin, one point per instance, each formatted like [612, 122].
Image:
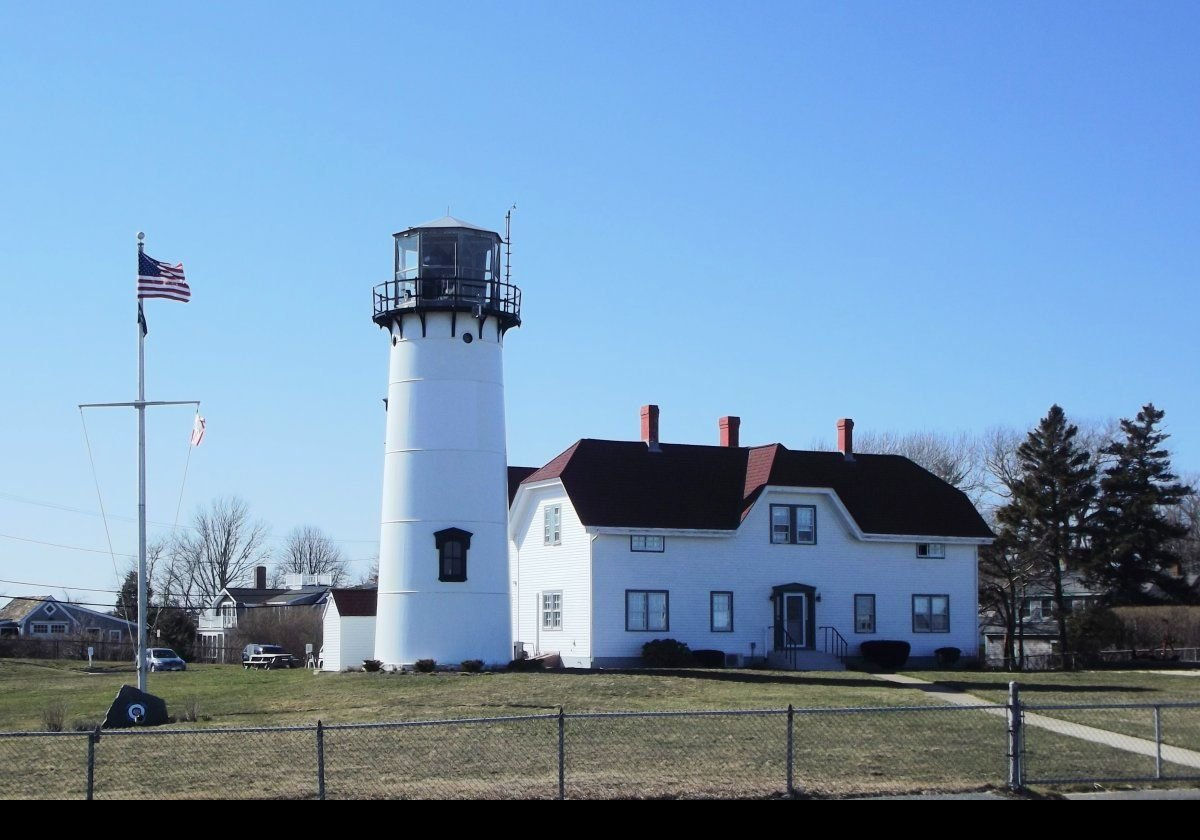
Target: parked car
[267, 657]
[164, 659]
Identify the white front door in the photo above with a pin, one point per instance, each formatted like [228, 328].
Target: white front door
[795, 612]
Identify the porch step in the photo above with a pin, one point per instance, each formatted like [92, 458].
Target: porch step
[806, 660]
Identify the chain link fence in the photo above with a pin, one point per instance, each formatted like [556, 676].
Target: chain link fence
[726, 754]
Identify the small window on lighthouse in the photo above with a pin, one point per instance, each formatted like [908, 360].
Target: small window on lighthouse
[452, 545]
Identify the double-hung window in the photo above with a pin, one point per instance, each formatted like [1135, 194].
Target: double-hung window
[720, 608]
[931, 550]
[552, 610]
[931, 613]
[794, 524]
[552, 524]
[647, 610]
[864, 613]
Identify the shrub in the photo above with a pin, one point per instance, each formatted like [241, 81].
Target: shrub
[886, 654]
[425, 666]
[372, 665]
[191, 709]
[1092, 630]
[666, 653]
[709, 658]
[527, 665]
[85, 725]
[947, 655]
[471, 666]
[54, 716]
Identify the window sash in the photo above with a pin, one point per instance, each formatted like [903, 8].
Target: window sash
[931, 613]
[795, 524]
[551, 610]
[721, 612]
[646, 542]
[864, 613]
[552, 525]
[647, 610]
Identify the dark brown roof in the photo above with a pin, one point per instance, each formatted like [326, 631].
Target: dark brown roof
[355, 601]
[515, 476]
[623, 484]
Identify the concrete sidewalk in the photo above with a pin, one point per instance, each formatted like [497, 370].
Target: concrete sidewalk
[1128, 743]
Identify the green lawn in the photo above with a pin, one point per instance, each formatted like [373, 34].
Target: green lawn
[937, 748]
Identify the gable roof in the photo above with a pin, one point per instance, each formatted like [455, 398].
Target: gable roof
[624, 484]
[355, 601]
[18, 609]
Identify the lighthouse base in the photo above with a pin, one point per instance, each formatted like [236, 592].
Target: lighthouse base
[447, 627]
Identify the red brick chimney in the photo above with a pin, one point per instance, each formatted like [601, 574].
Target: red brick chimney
[729, 430]
[845, 429]
[650, 427]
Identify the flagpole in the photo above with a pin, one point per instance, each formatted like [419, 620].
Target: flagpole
[143, 605]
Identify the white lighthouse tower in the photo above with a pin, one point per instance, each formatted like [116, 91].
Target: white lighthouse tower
[443, 546]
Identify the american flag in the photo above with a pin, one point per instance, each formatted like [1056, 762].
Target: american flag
[159, 280]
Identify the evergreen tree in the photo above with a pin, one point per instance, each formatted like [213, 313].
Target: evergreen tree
[1050, 502]
[127, 600]
[1133, 544]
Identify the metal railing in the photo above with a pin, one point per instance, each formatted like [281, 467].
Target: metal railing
[834, 642]
[750, 753]
[477, 297]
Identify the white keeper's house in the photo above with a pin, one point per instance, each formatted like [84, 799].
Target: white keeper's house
[793, 556]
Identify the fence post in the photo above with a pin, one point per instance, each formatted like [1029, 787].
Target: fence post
[92, 737]
[1158, 742]
[562, 754]
[791, 788]
[1016, 770]
[320, 760]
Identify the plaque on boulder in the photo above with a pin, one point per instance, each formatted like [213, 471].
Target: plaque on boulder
[135, 708]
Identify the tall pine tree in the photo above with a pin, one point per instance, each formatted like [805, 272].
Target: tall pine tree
[1050, 503]
[127, 600]
[1132, 547]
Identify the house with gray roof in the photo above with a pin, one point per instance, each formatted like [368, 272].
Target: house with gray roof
[219, 619]
[46, 617]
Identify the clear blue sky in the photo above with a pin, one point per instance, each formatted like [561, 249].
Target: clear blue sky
[936, 216]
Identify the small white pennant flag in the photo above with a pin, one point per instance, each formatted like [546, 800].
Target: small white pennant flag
[198, 430]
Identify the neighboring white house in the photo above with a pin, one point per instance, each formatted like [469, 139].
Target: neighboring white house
[349, 628]
[754, 551]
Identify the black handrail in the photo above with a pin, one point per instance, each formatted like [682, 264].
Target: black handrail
[791, 648]
[834, 642]
[477, 297]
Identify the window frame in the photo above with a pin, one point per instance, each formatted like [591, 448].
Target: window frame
[44, 631]
[548, 613]
[793, 533]
[662, 543]
[646, 593]
[931, 613]
[874, 622]
[930, 554]
[443, 541]
[712, 612]
[552, 516]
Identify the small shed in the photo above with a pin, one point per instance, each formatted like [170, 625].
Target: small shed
[349, 627]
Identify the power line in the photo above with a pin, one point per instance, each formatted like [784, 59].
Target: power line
[60, 545]
[55, 506]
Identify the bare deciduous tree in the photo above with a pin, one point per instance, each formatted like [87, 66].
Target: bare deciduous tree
[220, 550]
[309, 551]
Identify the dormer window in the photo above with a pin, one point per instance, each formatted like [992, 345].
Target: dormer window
[934, 551]
[452, 545]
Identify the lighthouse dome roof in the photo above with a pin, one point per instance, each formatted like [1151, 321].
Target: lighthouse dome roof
[450, 222]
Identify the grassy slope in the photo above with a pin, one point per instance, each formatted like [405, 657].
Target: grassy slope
[232, 696]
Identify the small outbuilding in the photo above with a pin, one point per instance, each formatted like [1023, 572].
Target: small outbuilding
[349, 628]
